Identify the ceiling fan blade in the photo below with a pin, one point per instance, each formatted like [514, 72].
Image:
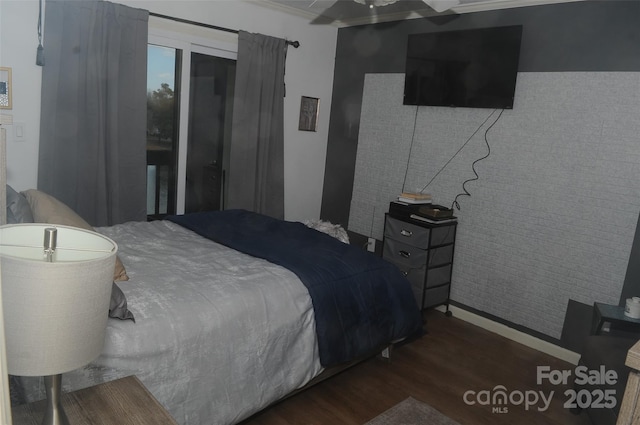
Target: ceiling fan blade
[441, 5]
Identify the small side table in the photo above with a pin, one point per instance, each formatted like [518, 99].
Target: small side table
[610, 313]
[630, 407]
[124, 401]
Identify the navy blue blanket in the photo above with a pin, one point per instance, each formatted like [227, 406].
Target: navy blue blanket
[360, 301]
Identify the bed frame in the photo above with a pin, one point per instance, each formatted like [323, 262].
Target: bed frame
[382, 352]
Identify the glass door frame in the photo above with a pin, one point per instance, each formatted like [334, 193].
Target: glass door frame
[187, 44]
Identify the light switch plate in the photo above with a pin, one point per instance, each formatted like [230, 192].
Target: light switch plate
[20, 131]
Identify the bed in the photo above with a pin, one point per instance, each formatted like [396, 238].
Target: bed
[231, 311]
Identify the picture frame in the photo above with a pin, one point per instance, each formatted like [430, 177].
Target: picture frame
[6, 90]
[308, 120]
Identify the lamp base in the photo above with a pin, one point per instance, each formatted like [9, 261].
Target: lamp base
[54, 413]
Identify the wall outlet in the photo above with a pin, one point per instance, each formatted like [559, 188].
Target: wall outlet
[371, 245]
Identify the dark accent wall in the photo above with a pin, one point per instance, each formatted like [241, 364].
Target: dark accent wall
[575, 36]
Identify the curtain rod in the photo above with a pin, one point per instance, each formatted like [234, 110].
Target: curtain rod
[295, 44]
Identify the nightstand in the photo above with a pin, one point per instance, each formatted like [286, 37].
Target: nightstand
[630, 407]
[124, 401]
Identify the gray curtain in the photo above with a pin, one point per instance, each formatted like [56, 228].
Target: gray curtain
[93, 117]
[256, 168]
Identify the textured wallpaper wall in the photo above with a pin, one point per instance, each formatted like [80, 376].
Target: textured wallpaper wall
[553, 214]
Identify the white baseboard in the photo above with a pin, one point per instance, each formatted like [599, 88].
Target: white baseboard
[513, 334]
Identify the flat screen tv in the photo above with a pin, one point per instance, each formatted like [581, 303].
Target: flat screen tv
[470, 68]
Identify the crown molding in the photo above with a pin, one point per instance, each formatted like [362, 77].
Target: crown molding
[482, 6]
[475, 6]
[296, 11]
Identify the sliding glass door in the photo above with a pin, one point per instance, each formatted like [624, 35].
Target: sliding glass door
[163, 86]
[189, 103]
[210, 101]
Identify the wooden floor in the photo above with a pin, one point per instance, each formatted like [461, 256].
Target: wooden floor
[439, 368]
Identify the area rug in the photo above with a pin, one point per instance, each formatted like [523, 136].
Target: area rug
[411, 412]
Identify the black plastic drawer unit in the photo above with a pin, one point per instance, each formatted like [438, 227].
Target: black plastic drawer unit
[423, 251]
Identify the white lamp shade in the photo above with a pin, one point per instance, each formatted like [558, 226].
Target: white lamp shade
[55, 313]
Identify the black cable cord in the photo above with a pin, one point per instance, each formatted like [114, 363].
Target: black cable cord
[458, 151]
[465, 192]
[413, 137]
[373, 217]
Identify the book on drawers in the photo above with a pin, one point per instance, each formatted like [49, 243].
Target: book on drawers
[423, 251]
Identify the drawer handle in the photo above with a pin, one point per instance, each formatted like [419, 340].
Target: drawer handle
[405, 254]
[405, 274]
[406, 233]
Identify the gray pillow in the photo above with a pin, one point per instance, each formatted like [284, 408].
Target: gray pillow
[18, 209]
[118, 306]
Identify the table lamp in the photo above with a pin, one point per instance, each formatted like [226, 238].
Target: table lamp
[56, 287]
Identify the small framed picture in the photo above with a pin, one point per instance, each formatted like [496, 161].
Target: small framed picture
[5, 88]
[308, 114]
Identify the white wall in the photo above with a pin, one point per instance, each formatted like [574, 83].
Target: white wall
[18, 43]
[309, 72]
